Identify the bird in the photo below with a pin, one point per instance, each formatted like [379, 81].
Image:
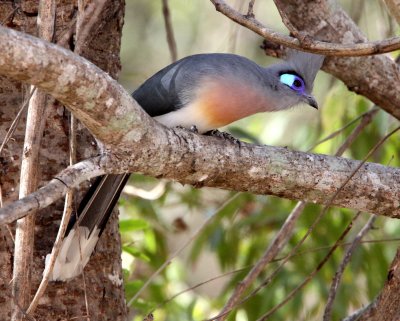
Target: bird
[202, 91]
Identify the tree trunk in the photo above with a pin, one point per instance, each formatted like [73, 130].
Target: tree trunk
[103, 279]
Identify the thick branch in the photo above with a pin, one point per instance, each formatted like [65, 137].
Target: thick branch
[105, 108]
[142, 145]
[208, 161]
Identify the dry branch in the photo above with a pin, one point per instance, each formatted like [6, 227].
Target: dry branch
[284, 235]
[319, 20]
[346, 259]
[394, 8]
[203, 161]
[75, 82]
[25, 229]
[169, 31]
[139, 144]
[375, 77]
[305, 42]
[309, 277]
[54, 190]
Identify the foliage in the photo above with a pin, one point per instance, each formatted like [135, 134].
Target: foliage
[239, 232]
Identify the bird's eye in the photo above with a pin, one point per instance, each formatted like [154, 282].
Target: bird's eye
[293, 81]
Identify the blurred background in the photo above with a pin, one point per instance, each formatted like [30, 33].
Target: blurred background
[159, 217]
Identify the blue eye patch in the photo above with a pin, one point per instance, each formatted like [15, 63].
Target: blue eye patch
[294, 82]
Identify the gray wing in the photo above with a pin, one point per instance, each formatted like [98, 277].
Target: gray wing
[158, 95]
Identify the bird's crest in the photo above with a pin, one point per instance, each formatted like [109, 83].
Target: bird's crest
[305, 64]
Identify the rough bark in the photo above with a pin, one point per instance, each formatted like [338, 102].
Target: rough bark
[375, 77]
[206, 161]
[387, 307]
[62, 300]
[303, 41]
[394, 8]
[113, 117]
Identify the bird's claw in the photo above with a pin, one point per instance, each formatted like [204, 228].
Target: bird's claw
[192, 129]
[224, 135]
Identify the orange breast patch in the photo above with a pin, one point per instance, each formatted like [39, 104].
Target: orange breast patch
[222, 102]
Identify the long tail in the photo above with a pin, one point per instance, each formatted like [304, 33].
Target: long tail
[85, 228]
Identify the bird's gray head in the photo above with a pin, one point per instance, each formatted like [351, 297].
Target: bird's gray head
[294, 78]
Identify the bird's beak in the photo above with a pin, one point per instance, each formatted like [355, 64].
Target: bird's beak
[311, 101]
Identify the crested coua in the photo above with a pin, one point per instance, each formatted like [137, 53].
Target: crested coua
[207, 91]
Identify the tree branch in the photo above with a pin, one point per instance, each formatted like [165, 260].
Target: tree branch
[285, 233]
[305, 42]
[393, 8]
[201, 161]
[375, 77]
[139, 144]
[345, 261]
[69, 178]
[169, 31]
[80, 85]
[25, 229]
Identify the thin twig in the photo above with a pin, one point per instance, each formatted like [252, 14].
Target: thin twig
[86, 22]
[320, 248]
[284, 235]
[286, 21]
[357, 314]
[345, 261]
[11, 15]
[366, 120]
[250, 12]
[185, 245]
[54, 253]
[201, 284]
[70, 177]
[280, 240]
[14, 124]
[89, 15]
[300, 253]
[169, 31]
[35, 123]
[367, 114]
[313, 273]
[325, 209]
[308, 43]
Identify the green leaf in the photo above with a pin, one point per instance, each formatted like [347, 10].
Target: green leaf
[132, 225]
[135, 252]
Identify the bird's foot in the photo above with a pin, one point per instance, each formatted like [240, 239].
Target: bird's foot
[192, 129]
[223, 135]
